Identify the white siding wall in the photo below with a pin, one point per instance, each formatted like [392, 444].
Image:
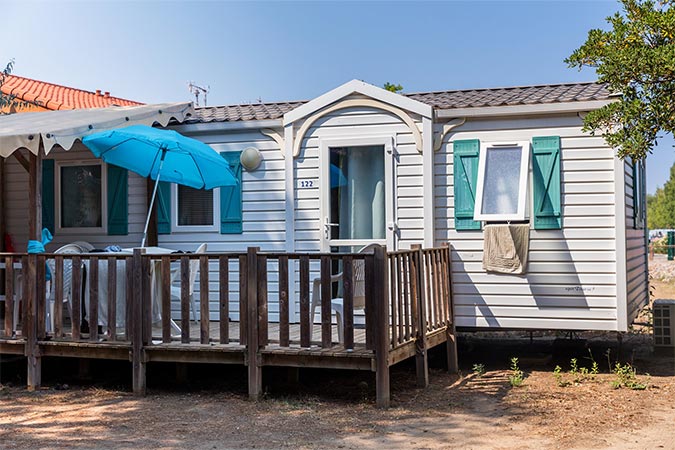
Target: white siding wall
[571, 277]
[637, 288]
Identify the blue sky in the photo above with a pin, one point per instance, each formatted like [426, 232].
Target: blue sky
[276, 51]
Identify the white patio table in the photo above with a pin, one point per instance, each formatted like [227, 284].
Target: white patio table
[121, 282]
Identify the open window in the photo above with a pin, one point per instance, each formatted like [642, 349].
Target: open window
[501, 193]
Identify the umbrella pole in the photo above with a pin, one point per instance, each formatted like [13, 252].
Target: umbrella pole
[152, 200]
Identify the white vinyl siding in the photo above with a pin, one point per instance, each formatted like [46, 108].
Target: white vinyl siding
[571, 276]
[637, 288]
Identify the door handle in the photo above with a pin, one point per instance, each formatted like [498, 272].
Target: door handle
[327, 225]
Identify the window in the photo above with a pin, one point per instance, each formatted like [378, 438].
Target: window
[195, 206]
[80, 196]
[195, 209]
[502, 181]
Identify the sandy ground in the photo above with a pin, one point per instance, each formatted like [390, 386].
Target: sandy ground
[336, 409]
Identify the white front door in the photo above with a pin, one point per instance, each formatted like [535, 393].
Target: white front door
[356, 194]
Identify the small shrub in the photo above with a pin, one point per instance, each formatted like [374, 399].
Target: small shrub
[516, 376]
[626, 376]
[478, 369]
[559, 377]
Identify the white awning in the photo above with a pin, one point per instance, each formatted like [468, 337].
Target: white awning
[24, 130]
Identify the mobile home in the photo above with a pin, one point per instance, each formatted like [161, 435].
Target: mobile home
[360, 164]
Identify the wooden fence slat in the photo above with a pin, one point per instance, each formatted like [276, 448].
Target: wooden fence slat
[93, 299]
[284, 327]
[326, 288]
[305, 338]
[262, 301]
[224, 298]
[243, 307]
[9, 296]
[348, 299]
[112, 298]
[128, 310]
[185, 299]
[405, 260]
[146, 264]
[370, 304]
[76, 292]
[429, 271]
[57, 292]
[41, 297]
[391, 300]
[204, 318]
[166, 299]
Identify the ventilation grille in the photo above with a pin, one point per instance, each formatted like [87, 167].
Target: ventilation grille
[664, 323]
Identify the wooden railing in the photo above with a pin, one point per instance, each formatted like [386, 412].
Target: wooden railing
[405, 296]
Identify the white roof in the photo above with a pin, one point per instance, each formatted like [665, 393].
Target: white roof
[25, 130]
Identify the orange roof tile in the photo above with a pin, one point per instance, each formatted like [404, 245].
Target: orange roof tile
[54, 96]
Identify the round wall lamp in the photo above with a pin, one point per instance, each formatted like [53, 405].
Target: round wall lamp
[250, 158]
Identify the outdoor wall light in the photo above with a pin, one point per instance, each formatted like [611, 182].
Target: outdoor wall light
[250, 158]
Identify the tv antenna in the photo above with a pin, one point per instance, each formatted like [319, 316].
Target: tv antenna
[196, 90]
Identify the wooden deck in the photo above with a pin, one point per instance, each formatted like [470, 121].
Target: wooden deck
[408, 310]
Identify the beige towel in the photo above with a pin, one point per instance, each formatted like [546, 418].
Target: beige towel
[505, 248]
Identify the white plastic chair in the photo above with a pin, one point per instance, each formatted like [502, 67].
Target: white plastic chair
[194, 267]
[337, 304]
[84, 245]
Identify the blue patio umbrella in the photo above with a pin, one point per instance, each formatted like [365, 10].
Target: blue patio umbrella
[337, 178]
[161, 154]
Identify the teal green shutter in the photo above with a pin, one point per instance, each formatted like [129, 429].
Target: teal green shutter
[230, 198]
[163, 208]
[118, 201]
[546, 174]
[48, 194]
[465, 167]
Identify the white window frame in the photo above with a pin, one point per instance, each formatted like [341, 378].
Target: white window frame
[192, 228]
[390, 155]
[522, 182]
[104, 198]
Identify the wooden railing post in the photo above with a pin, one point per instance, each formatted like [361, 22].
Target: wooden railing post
[421, 359]
[252, 342]
[137, 357]
[451, 337]
[381, 314]
[34, 375]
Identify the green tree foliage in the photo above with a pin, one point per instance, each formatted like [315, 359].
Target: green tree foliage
[6, 101]
[395, 88]
[636, 58]
[661, 206]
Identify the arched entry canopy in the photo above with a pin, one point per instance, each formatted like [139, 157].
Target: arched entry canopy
[375, 97]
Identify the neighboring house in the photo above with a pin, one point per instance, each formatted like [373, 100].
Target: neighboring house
[360, 164]
[35, 95]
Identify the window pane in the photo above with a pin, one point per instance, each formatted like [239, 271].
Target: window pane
[502, 177]
[195, 206]
[357, 192]
[81, 196]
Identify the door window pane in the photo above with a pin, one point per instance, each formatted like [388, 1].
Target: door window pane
[195, 206]
[357, 194]
[502, 180]
[81, 196]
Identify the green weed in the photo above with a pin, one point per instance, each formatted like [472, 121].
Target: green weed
[516, 376]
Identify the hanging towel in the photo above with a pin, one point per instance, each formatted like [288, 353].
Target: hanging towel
[505, 248]
[39, 247]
